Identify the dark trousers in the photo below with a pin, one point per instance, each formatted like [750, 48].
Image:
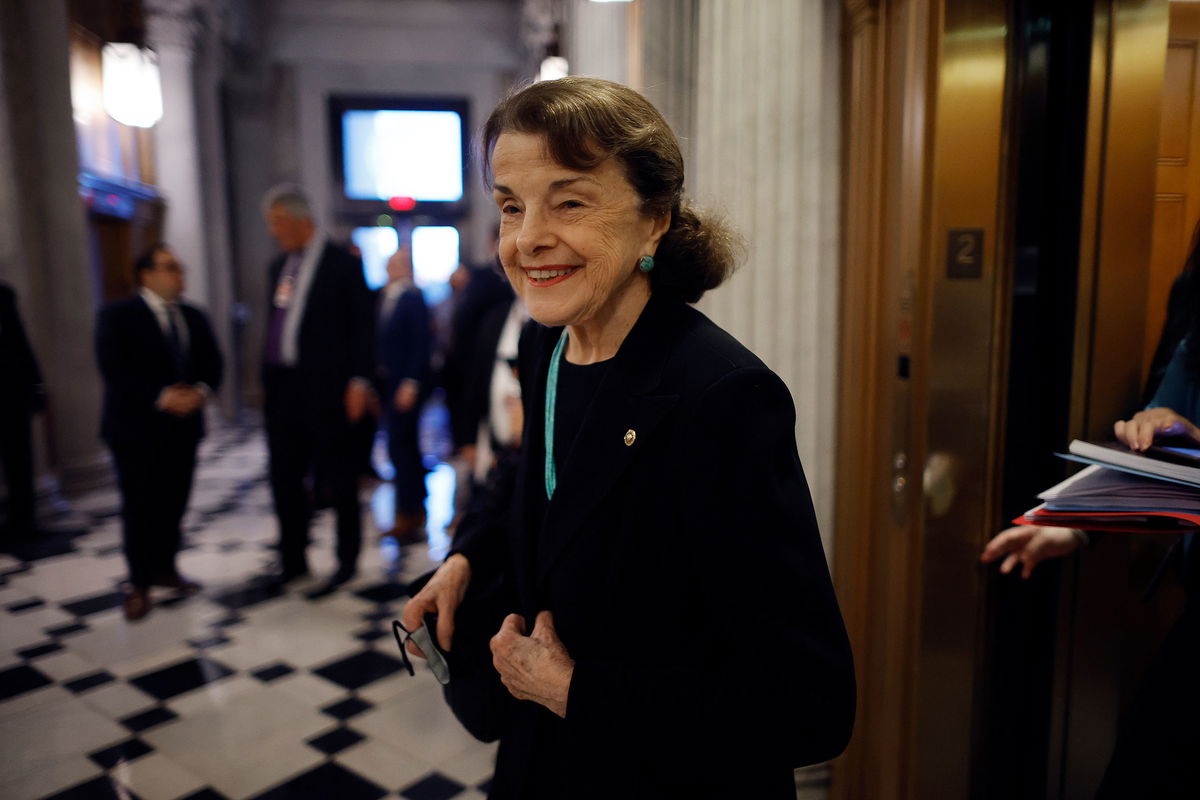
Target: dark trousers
[363, 433]
[155, 479]
[307, 456]
[1157, 754]
[16, 457]
[404, 451]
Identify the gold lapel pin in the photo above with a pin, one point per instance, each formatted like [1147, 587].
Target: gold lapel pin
[630, 437]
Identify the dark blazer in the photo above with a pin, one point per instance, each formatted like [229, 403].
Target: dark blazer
[485, 291]
[477, 377]
[22, 377]
[404, 343]
[335, 341]
[681, 559]
[136, 364]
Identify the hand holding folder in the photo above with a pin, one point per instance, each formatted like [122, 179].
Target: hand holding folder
[1119, 494]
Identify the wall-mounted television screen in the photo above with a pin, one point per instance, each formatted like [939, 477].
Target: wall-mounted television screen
[408, 153]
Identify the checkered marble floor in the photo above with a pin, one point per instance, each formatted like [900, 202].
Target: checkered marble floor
[238, 692]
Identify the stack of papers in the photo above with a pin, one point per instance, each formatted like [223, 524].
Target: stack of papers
[1162, 463]
[1124, 491]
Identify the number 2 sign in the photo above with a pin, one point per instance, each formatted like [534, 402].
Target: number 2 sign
[964, 253]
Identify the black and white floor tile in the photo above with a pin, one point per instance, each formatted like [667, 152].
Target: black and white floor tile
[238, 692]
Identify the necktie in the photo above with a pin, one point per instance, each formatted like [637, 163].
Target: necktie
[285, 289]
[175, 341]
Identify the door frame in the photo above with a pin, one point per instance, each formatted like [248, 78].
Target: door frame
[916, 659]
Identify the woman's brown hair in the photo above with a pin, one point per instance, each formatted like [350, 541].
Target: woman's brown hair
[587, 120]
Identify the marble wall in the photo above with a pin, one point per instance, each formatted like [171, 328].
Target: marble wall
[597, 39]
[766, 151]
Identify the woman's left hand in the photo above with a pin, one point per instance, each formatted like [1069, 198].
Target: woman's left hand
[534, 667]
[1139, 433]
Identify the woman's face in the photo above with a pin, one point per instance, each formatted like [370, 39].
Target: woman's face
[570, 239]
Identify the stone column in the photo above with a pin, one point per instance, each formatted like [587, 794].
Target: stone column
[668, 48]
[43, 238]
[172, 31]
[597, 39]
[210, 66]
[766, 150]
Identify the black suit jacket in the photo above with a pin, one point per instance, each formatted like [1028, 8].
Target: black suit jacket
[335, 340]
[404, 343]
[136, 364]
[18, 366]
[477, 377]
[681, 559]
[485, 291]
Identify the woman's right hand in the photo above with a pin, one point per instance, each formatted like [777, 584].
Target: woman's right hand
[1029, 545]
[441, 595]
[1139, 433]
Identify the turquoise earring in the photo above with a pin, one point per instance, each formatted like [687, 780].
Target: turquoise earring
[646, 263]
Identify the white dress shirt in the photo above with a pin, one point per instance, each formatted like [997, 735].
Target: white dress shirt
[289, 342]
[164, 312]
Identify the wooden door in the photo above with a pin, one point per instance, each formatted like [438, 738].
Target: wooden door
[112, 249]
[1177, 188]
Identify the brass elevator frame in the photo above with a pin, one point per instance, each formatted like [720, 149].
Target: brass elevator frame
[961, 383]
[924, 119]
[918, 456]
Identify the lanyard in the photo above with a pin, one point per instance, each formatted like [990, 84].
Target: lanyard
[551, 396]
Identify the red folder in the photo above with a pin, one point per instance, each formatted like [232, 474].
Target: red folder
[1122, 521]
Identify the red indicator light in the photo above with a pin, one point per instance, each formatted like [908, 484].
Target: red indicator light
[402, 203]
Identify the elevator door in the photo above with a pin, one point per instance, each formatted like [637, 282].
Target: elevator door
[1001, 171]
[958, 408]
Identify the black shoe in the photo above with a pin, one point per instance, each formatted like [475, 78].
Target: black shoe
[283, 578]
[324, 590]
[339, 578]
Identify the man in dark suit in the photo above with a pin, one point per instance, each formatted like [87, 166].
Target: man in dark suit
[402, 370]
[160, 364]
[484, 291]
[317, 361]
[21, 396]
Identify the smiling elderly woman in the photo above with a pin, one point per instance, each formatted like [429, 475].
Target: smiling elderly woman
[671, 627]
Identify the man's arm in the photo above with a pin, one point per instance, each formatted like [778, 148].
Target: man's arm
[361, 316]
[361, 339]
[123, 371]
[208, 369]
